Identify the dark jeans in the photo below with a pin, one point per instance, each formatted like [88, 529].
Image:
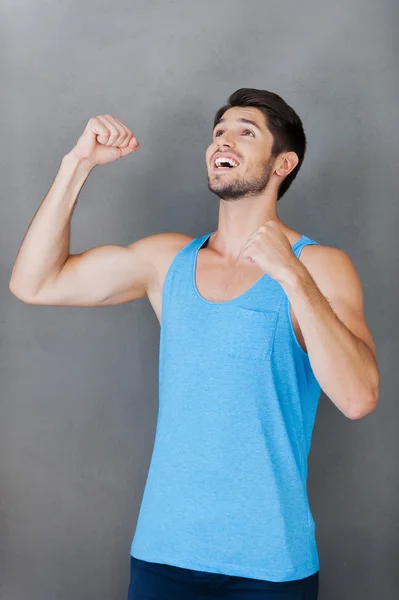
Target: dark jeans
[154, 581]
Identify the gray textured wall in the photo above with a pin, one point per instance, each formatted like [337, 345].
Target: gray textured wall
[79, 385]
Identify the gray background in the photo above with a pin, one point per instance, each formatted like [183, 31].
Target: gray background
[79, 385]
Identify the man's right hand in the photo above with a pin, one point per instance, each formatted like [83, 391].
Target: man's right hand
[104, 140]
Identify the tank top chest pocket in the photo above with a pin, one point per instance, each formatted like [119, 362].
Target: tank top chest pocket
[251, 334]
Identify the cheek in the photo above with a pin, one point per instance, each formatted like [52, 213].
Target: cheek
[208, 154]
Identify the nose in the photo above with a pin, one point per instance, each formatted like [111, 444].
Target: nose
[226, 139]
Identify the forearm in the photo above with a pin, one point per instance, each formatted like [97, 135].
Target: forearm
[45, 247]
[343, 364]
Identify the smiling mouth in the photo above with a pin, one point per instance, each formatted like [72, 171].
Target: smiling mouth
[225, 163]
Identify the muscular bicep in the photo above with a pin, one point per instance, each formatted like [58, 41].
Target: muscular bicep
[101, 276]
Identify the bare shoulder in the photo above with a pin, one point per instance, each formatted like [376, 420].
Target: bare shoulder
[158, 251]
[329, 266]
[155, 245]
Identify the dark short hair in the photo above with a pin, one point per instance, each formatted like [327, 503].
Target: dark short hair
[281, 120]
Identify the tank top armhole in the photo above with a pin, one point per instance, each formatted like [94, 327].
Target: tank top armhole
[167, 282]
[173, 263]
[306, 242]
[292, 331]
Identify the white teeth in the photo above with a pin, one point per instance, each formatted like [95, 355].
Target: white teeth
[223, 159]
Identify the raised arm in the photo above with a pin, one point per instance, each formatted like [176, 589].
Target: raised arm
[44, 271]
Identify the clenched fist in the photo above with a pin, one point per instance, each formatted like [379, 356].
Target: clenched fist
[104, 140]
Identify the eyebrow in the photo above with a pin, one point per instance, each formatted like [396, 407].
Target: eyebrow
[242, 120]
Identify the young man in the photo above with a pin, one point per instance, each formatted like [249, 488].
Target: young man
[256, 320]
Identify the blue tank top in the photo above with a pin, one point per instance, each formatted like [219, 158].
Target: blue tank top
[226, 490]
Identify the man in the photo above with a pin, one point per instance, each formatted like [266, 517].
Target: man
[250, 335]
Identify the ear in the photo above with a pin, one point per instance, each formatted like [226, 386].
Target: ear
[287, 163]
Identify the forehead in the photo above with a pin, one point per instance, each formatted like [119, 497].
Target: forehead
[247, 112]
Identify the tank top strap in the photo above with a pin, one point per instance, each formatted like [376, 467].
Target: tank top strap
[301, 243]
[197, 243]
[182, 264]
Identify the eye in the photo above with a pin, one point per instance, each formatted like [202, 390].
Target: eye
[219, 131]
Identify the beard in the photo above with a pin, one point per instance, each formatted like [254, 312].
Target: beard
[240, 188]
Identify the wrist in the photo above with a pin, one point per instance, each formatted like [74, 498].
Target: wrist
[293, 276]
[77, 162]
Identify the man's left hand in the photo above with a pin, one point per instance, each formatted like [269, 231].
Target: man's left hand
[271, 250]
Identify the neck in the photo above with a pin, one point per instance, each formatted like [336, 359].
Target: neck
[237, 221]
